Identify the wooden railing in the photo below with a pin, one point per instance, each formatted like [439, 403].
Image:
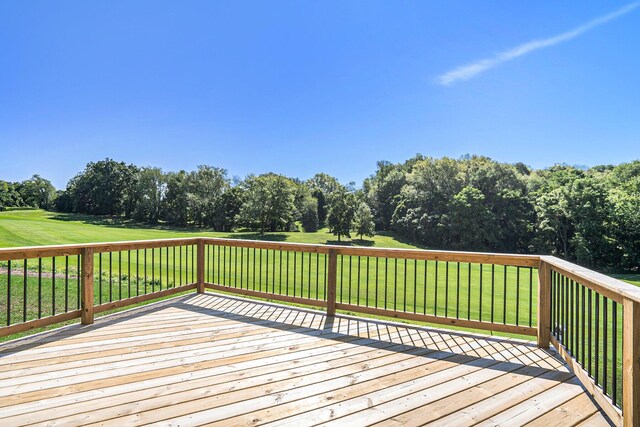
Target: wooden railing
[593, 320]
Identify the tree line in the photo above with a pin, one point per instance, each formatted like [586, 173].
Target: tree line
[590, 216]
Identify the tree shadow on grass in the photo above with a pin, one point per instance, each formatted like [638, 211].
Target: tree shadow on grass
[268, 237]
[117, 222]
[354, 242]
[401, 239]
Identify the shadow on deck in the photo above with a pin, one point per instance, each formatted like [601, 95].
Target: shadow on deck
[219, 360]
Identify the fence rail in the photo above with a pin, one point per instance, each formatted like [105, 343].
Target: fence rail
[592, 319]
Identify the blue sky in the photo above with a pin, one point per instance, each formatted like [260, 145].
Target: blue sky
[302, 87]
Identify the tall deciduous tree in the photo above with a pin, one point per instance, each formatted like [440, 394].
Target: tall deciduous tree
[268, 203]
[363, 224]
[340, 216]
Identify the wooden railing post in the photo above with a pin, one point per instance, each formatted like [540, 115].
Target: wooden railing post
[544, 304]
[200, 269]
[87, 286]
[631, 363]
[332, 275]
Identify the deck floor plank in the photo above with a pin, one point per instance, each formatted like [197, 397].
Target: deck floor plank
[217, 360]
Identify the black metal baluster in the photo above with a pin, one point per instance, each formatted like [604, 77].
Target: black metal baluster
[217, 249]
[446, 289]
[386, 267]
[415, 285]
[480, 304]
[341, 275]
[53, 286]
[39, 288]
[137, 272]
[424, 291]
[24, 291]
[119, 275]
[435, 292]
[531, 296]
[224, 265]
[9, 293]
[554, 305]
[596, 352]
[358, 284]
[78, 275]
[572, 313]
[180, 275]
[605, 343]
[294, 273]
[235, 267]
[582, 319]
[349, 281]
[145, 272]
[457, 290]
[273, 272]
[589, 328]
[493, 298]
[395, 284]
[469, 291]
[66, 283]
[614, 351]
[309, 281]
[404, 287]
[366, 298]
[318, 275]
[153, 270]
[287, 271]
[173, 266]
[377, 271]
[242, 267]
[504, 295]
[565, 335]
[129, 274]
[324, 274]
[518, 297]
[302, 274]
[577, 320]
[280, 274]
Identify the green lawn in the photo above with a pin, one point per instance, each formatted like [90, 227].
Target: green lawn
[37, 227]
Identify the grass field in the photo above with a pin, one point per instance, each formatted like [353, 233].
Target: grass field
[37, 227]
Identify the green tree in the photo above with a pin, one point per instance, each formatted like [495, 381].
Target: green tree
[37, 192]
[101, 189]
[322, 187]
[206, 186]
[363, 224]
[472, 223]
[146, 195]
[340, 216]
[9, 196]
[174, 209]
[268, 203]
[383, 192]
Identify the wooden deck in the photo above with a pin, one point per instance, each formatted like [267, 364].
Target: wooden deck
[216, 360]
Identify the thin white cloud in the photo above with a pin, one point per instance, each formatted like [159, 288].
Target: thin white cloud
[469, 71]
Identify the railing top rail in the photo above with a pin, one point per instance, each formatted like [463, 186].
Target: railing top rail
[610, 287]
[75, 249]
[614, 289]
[419, 254]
